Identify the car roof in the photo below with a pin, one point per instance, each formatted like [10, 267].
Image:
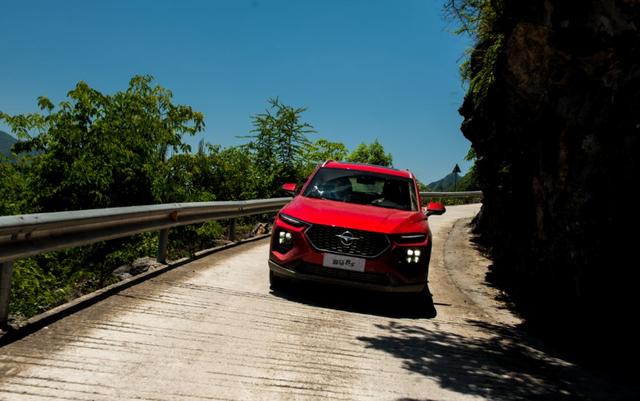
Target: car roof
[371, 168]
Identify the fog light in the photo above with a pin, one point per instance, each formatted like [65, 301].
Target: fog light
[413, 255]
[283, 242]
[284, 238]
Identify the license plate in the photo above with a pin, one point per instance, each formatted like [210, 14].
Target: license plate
[343, 262]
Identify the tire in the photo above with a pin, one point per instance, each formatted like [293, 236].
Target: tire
[428, 257]
[422, 304]
[277, 283]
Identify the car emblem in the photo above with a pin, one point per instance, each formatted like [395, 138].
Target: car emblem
[346, 238]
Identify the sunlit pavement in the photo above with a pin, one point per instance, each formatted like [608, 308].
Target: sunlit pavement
[212, 330]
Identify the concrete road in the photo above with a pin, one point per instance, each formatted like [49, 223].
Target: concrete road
[212, 330]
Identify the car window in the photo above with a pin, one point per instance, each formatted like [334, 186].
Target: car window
[363, 188]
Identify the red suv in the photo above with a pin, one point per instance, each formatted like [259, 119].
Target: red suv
[357, 225]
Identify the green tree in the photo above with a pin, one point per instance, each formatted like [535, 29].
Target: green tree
[478, 19]
[371, 154]
[12, 186]
[93, 151]
[240, 178]
[99, 150]
[422, 187]
[190, 177]
[321, 150]
[277, 144]
[213, 173]
[469, 182]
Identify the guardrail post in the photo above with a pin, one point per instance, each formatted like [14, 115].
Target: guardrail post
[232, 230]
[6, 270]
[162, 246]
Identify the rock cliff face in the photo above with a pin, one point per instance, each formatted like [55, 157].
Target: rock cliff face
[557, 139]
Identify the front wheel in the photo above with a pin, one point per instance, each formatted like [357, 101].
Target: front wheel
[276, 283]
[422, 303]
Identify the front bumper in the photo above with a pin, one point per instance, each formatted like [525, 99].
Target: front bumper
[346, 278]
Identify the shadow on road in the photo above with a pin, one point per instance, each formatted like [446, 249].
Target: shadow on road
[497, 363]
[359, 301]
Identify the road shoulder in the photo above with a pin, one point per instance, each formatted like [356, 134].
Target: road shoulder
[467, 269]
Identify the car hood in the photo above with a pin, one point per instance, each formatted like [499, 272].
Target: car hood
[358, 217]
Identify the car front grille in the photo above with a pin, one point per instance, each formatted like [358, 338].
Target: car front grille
[365, 244]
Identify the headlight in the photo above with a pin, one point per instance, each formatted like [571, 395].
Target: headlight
[292, 220]
[409, 238]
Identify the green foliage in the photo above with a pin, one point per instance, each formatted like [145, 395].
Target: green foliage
[33, 289]
[92, 151]
[467, 14]
[278, 142]
[6, 144]
[190, 176]
[455, 201]
[100, 150]
[483, 77]
[471, 155]
[213, 174]
[481, 20]
[422, 187]
[95, 150]
[470, 181]
[320, 151]
[371, 154]
[240, 177]
[12, 187]
[44, 281]
[185, 241]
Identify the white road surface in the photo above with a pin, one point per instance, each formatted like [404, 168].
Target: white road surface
[212, 330]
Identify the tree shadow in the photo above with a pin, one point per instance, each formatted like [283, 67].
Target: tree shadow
[392, 305]
[495, 362]
[566, 324]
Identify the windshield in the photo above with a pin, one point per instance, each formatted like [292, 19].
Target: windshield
[363, 188]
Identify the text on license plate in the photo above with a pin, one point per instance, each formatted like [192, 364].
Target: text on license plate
[343, 262]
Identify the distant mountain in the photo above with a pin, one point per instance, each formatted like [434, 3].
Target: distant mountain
[446, 184]
[6, 142]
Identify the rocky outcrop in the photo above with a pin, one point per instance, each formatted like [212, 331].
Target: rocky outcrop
[138, 266]
[557, 136]
[261, 229]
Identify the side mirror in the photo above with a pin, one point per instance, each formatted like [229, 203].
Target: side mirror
[289, 188]
[436, 208]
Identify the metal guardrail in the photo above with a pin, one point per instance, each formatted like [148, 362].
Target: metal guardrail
[32, 234]
[459, 194]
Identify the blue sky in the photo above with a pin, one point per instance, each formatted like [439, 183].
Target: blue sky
[365, 69]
